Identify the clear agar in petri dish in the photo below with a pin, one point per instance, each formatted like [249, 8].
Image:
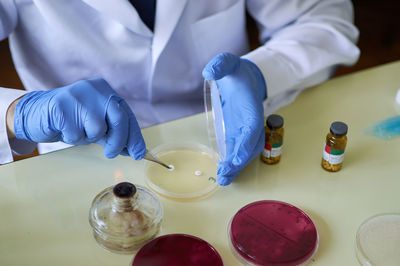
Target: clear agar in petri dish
[272, 233]
[177, 250]
[194, 173]
[378, 240]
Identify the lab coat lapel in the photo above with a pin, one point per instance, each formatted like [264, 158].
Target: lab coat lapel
[123, 12]
[168, 13]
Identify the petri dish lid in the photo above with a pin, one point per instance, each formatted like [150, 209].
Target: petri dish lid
[378, 240]
[177, 250]
[215, 118]
[194, 175]
[272, 233]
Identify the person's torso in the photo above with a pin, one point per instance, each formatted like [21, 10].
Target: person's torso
[59, 42]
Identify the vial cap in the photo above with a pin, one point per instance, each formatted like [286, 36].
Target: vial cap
[338, 128]
[124, 190]
[274, 121]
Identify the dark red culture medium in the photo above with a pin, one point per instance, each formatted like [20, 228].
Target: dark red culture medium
[177, 250]
[273, 233]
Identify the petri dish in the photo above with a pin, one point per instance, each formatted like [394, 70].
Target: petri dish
[194, 174]
[177, 250]
[214, 118]
[272, 233]
[378, 240]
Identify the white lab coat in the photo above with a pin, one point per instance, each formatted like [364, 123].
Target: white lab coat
[58, 42]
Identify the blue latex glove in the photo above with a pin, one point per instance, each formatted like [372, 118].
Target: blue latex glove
[243, 90]
[88, 111]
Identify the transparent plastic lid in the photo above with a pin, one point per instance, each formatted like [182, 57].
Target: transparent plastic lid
[378, 240]
[177, 250]
[272, 233]
[194, 173]
[215, 118]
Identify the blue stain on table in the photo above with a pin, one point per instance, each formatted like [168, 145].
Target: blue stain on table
[386, 129]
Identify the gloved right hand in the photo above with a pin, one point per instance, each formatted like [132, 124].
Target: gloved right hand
[88, 111]
[243, 89]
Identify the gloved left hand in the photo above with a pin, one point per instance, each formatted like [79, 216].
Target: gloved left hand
[242, 88]
[88, 111]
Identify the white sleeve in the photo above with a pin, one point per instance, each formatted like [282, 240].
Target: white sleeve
[8, 18]
[303, 41]
[8, 147]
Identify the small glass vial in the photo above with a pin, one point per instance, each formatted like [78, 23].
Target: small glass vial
[125, 217]
[333, 153]
[273, 139]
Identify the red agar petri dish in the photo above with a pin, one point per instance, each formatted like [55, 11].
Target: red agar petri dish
[272, 233]
[177, 250]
